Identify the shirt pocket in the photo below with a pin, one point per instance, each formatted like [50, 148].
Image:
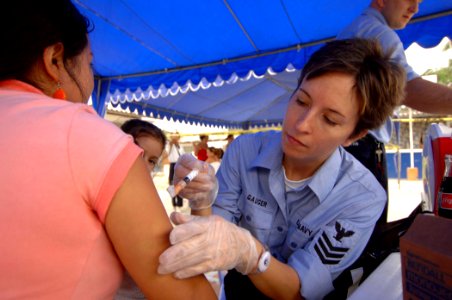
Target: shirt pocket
[298, 236]
[257, 218]
[278, 232]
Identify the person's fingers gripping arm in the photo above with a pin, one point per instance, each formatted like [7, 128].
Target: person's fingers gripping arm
[138, 227]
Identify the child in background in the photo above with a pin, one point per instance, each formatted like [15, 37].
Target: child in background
[200, 148]
[148, 137]
[230, 138]
[173, 152]
[214, 156]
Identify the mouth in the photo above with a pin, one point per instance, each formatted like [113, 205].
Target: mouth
[295, 142]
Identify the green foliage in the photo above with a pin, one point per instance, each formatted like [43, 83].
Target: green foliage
[444, 74]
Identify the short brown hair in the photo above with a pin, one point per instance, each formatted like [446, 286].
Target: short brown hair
[379, 81]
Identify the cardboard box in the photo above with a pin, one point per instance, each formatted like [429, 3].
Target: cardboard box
[426, 251]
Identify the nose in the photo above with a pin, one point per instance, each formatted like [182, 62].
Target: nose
[305, 122]
[414, 7]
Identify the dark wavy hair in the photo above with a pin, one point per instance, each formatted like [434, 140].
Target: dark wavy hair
[379, 81]
[30, 26]
[139, 128]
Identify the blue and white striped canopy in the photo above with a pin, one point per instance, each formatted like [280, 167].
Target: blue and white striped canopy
[231, 63]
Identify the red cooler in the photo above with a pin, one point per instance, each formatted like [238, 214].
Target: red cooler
[437, 143]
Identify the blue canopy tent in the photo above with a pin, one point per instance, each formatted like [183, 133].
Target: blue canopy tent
[231, 63]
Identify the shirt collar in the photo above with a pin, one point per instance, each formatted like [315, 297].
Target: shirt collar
[321, 183]
[323, 180]
[271, 155]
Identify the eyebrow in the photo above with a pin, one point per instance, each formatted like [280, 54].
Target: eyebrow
[329, 109]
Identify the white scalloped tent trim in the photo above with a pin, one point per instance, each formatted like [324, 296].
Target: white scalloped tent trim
[162, 91]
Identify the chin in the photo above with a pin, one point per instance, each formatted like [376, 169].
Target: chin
[403, 24]
[398, 25]
[294, 152]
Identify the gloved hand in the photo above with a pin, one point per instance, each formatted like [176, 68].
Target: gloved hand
[203, 244]
[203, 189]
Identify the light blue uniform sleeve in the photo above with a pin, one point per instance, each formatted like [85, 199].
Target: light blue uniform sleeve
[391, 41]
[336, 246]
[372, 25]
[327, 255]
[230, 185]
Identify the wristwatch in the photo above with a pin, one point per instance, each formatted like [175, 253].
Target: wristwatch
[264, 261]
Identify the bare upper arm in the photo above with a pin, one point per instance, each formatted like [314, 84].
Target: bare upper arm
[138, 227]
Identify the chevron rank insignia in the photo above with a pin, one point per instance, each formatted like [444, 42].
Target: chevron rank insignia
[328, 250]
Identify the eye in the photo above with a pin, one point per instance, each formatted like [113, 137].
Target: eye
[329, 121]
[301, 102]
[152, 162]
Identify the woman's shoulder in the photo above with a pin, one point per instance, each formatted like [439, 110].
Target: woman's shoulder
[86, 116]
[250, 145]
[259, 137]
[353, 171]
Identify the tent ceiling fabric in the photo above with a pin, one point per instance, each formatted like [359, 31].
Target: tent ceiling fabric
[236, 103]
[142, 45]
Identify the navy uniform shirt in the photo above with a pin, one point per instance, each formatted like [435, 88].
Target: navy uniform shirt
[329, 221]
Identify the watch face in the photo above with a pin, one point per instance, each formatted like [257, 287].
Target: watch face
[264, 262]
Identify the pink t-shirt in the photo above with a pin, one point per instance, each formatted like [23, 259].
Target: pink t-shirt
[60, 166]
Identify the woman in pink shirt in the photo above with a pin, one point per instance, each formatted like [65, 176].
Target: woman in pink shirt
[77, 203]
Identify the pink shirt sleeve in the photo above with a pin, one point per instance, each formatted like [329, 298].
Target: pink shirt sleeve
[100, 156]
[114, 179]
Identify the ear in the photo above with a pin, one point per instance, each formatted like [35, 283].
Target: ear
[53, 58]
[378, 4]
[354, 138]
[381, 3]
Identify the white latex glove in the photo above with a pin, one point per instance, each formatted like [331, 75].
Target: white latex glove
[203, 244]
[203, 189]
